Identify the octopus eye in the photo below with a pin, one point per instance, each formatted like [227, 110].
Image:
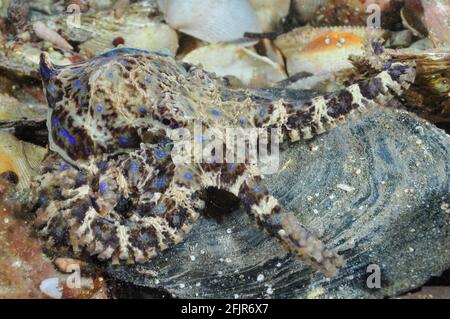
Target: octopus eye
[166, 122]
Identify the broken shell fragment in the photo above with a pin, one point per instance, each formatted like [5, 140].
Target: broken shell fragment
[137, 30]
[271, 12]
[322, 51]
[119, 7]
[244, 64]
[437, 20]
[211, 20]
[47, 34]
[307, 8]
[332, 12]
[24, 159]
[12, 110]
[428, 18]
[429, 97]
[23, 59]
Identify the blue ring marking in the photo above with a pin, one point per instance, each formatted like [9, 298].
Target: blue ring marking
[160, 209]
[102, 165]
[160, 154]
[262, 112]
[66, 134]
[46, 72]
[215, 112]
[55, 122]
[99, 108]
[188, 176]
[123, 140]
[134, 167]
[81, 178]
[242, 121]
[160, 182]
[275, 220]
[103, 187]
[200, 138]
[145, 238]
[77, 83]
[257, 189]
[396, 73]
[148, 79]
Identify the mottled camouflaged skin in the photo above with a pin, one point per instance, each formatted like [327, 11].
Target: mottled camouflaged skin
[117, 193]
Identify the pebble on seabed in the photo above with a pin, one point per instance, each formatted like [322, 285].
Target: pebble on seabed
[50, 287]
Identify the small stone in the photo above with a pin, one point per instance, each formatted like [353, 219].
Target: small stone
[260, 278]
[346, 187]
[50, 287]
[192, 258]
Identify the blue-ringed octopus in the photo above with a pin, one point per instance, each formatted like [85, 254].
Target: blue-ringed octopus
[113, 189]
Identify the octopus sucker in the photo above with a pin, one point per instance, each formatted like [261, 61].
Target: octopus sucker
[124, 197]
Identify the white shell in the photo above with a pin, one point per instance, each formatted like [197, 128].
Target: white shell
[307, 8]
[51, 288]
[140, 27]
[22, 158]
[321, 51]
[153, 36]
[11, 109]
[244, 64]
[271, 12]
[47, 34]
[437, 19]
[211, 20]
